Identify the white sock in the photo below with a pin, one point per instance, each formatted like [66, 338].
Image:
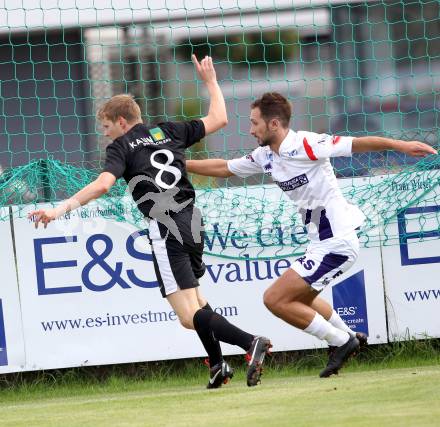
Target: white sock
[337, 322]
[320, 328]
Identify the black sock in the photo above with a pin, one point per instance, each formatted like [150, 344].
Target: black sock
[219, 349]
[207, 307]
[223, 330]
[210, 343]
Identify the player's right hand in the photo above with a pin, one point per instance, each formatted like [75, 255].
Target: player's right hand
[43, 215]
[205, 68]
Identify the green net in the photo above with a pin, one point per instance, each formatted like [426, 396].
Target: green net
[349, 68]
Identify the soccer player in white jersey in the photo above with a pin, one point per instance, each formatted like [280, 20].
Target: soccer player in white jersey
[298, 162]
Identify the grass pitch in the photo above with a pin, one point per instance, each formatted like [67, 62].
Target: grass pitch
[357, 397]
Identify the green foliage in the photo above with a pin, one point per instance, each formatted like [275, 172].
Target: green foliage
[247, 48]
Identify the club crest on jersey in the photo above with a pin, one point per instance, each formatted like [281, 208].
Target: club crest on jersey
[269, 156]
[293, 183]
[249, 157]
[268, 168]
[157, 134]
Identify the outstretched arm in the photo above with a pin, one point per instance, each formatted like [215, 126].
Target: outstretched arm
[95, 189]
[375, 143]
[209, 167]
[217, 116]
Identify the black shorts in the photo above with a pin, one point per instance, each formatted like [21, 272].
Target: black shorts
[177, 243]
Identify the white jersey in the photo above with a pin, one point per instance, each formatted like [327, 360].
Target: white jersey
[302, 169]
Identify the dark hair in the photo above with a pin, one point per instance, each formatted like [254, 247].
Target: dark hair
[273, 105]
[120, 106]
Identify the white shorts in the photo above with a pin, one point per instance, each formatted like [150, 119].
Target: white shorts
[326, 260]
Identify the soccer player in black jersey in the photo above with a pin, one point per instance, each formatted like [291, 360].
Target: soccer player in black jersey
[151, 160]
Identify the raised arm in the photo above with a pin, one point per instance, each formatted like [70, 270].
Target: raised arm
[217, 116]
[376, 143]
[95, 189]
[209, 167]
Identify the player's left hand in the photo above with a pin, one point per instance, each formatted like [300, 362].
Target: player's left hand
[43, 215]
[417, 149]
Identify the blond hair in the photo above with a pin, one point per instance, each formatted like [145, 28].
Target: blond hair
[120, 106]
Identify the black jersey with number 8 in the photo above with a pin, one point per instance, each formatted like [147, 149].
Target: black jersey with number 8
[151, 159]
